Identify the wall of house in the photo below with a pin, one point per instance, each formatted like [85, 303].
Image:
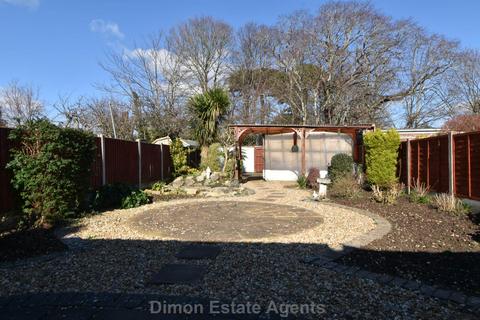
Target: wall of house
[282, 164]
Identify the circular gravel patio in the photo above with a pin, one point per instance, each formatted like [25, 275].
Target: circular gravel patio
[226, 221]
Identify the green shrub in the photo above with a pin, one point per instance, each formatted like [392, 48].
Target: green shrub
[179, 158]
[135, 199]
[51, 170]
[213, 157]
[345, 187]
[110, 196]
[229, 168]
[381, 157]
[415, 197]
[340, 166]
[302, 182]
[158, 186]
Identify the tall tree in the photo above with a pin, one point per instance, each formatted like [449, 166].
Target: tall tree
[20, 103]
[203, 47]
[465, 81]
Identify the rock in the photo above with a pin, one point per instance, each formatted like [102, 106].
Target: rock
[201, 177]
[189, 181]
[177, 183]
[215, 176]
[234, 183]
[191, 191]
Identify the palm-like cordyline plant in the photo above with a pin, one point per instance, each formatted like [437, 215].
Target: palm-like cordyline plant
[208, 110]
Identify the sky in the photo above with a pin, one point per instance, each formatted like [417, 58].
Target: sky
[56, 45]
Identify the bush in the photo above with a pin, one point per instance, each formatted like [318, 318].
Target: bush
[387, 196]
[340, 166]
[345, 187]
[230, 168]
[111, 196]
[449, 203]
[158, 186]
[212, 159]
[313, 175]
[302, 182]
[381, 157]
[179, 158]
[51, 170]
[135, 199]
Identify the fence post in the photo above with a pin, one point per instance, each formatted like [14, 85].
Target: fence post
[451, 164]
[104, 169]
[161, 162]
[139, 143]
[409, 167]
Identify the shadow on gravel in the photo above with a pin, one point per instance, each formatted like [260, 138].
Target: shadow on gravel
[459, 271]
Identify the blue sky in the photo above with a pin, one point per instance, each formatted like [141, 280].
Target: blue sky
[57, 44]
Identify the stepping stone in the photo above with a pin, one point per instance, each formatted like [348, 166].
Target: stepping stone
[197, 251]
[178, 274]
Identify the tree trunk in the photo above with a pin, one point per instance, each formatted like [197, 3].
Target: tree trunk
[203, 154]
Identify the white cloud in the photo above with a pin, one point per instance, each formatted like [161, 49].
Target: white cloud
[106, 27]
[31, 4]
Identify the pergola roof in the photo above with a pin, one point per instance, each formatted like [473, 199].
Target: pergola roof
[242, 129]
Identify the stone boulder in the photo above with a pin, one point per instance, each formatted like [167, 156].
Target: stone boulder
[189, 181]
[215, 176]
[177, 183]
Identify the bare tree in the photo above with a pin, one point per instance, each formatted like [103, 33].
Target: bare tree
[203, 47]
[465, 81]
[108, 116]
[153, 81]
[20, 103]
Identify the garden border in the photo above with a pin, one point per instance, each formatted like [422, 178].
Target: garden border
[383, 227]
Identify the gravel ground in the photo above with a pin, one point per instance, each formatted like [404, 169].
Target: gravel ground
[120, 258]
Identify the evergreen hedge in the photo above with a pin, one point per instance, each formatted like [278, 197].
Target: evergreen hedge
[51, 170]
[381, 157]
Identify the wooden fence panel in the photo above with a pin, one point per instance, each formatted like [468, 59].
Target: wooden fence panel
[423, 162]
[121, 161]
[151, 162]
[96, 178]
[167, 163]
[461, 170]
[475, 165]
[414, 165]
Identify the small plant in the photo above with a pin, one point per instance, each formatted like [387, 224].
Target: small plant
[389, 195]
[179, 158]
[340, 165]
[313, 175]
[158, 186]
[212, 158]
[414, 197]
[345, 187]
[302, 182]
[449, 203]
[136, 199]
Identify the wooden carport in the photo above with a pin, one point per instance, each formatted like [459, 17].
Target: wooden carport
[302, 131]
